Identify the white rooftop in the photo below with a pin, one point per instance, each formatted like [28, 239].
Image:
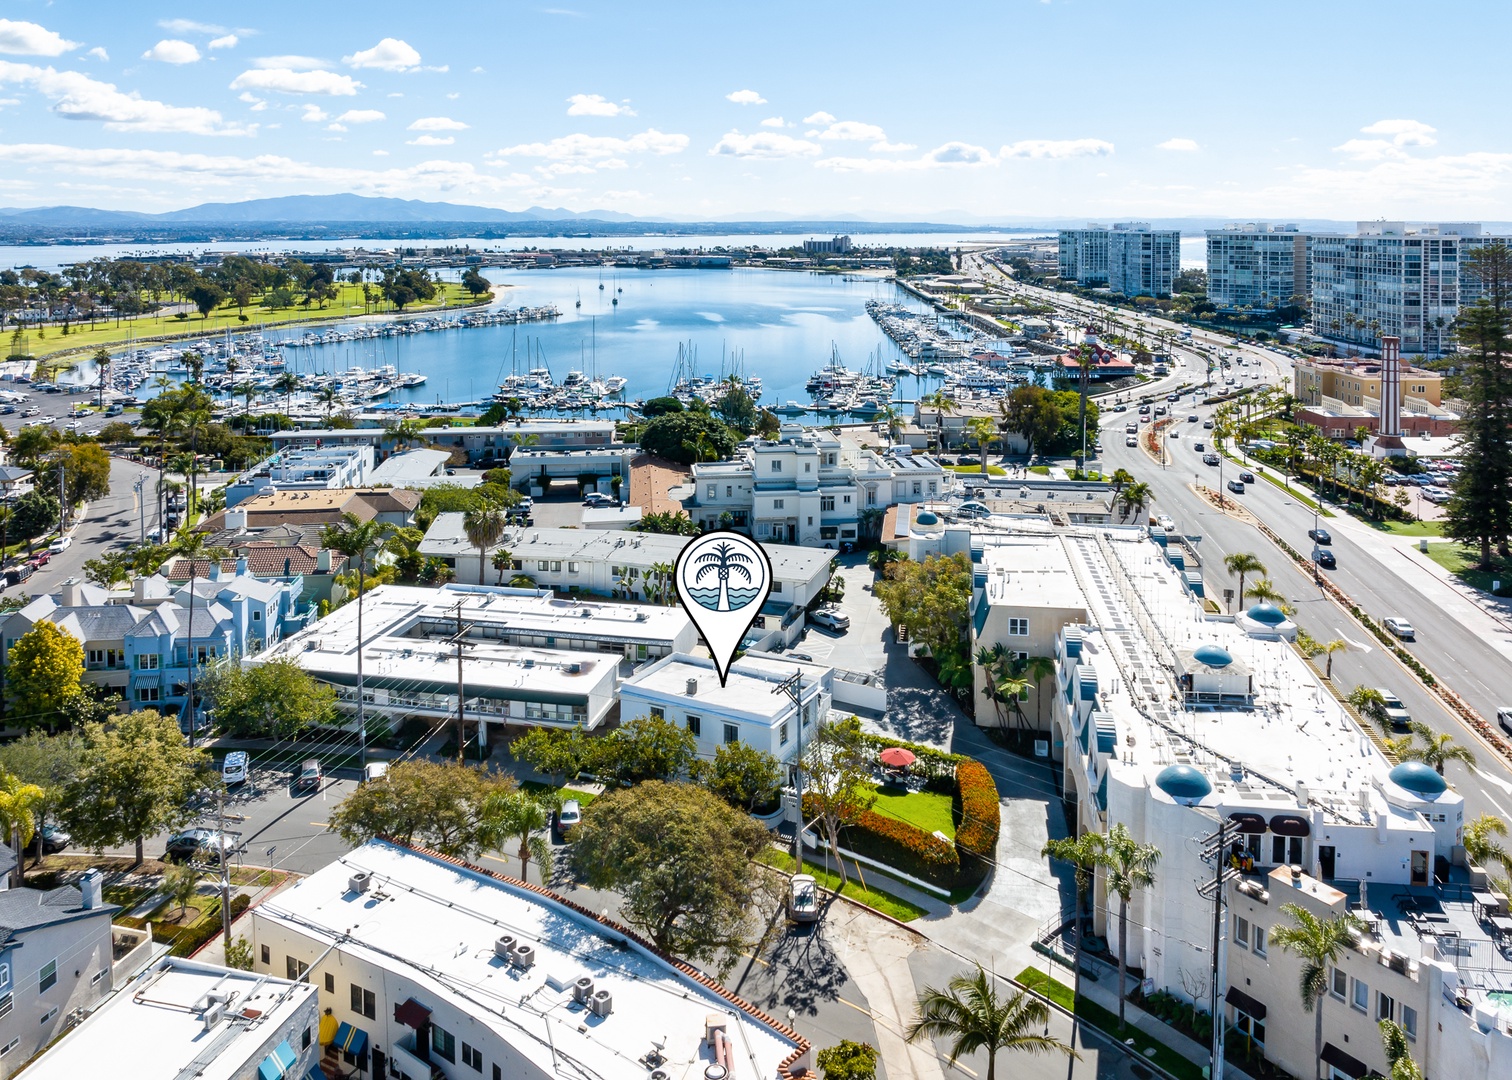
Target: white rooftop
[1024, 570]
[436, 923]
[419, 468]
[153, 1028]
[747, 691]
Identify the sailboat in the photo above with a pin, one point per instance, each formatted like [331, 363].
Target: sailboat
[580, 298]
[601, 281]
[617, 289]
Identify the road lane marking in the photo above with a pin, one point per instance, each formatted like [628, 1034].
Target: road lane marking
[1351, 642]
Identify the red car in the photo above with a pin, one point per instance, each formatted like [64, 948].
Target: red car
[40, 560]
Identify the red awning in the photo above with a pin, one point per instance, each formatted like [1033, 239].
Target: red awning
[412, 1014]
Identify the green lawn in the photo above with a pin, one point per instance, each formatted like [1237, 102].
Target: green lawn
[927, 810]
[1409, 528]
[886, 903]
[976, 470]
[1042, 470]
[535, 787]
[1460, 561]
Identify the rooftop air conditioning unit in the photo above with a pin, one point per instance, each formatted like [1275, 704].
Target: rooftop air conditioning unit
[601, 1004]
[214, 1015]
[523, 956]
[504, 946]
[582, 990]
[359, 882]
[574, 669]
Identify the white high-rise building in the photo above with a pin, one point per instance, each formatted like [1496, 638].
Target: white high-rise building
[1129, 257]
[1256, 265]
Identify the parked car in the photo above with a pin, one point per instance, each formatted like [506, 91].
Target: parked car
[569, 816]
[805, 657]
[1319, 536]
[803, 898]
[830, 620]
[1395, 712]
[1247, 476]
[599, 501]
[235, 768]
[1504, 719]
[1324, 557]
[1236, 486]
[203, 844]
[1210, 458]
[309, 777]
[374, 771]
[1400, 627]
[51, 838]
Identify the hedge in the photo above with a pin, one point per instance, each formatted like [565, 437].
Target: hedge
[978, 813]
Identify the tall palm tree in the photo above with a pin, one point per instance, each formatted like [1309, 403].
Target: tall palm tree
[502, 560]
[1243, 563]
[286, 384]
[518, 815]
[892, 417]
[328, 396]
[1328, 650]
[1264, 591]
[1318, 943]
[1437, 750]
[973, 1015]
[1481, 846]
[1085, 854]
[942, 403]
[1135, 497]
[1130, 865]
[981, 430]
[355, 539]
[660, 575]
[1037, 669]
[18, 808]
[190, 544]
[484, 525]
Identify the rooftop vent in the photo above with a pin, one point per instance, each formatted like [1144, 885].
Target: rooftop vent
[359, 882]
[692, 687]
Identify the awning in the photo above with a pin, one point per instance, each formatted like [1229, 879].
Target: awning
[412, 1014]
[1244, 1003]
[1247, 823]
[328, 1025]
[1343, 1062]
[351, 1039]
[1290, 825]
[277, 1063]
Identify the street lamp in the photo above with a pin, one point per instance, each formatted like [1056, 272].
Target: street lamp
[139, 485]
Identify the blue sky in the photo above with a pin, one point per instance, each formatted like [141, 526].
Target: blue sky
[1005, 110]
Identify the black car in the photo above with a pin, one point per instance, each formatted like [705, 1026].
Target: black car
[1319, 536]
[202, 844]
[1325, 558]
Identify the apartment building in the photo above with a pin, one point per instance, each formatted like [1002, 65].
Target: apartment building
[1256, 266]
[304, 468]
[1321, 381]
[1129, 258]
[481, 445]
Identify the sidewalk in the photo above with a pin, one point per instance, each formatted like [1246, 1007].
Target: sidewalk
[1105, 993]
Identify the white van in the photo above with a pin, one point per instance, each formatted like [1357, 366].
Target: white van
[235, 768]
[1504, 719]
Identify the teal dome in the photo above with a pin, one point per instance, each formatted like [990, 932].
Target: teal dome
[1183, 782]
[1419, 779]
[926, 518]
[1267, 613]
[1212, 655]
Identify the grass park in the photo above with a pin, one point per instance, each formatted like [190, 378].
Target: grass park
[1461, 561]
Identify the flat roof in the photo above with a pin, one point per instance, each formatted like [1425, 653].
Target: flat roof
[429, 904]
[1029, 570]
[748, 691]
[153, 1028]
[412, 466]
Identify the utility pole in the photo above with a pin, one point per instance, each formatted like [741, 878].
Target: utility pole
[62, 500]
[1214, 850]
[139, 485]
[225, 868]
[461, 701]
[792, 686]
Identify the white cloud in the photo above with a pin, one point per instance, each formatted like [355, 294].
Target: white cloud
[380, 153]
[227, 41]
[360, 116]
[596, 105]
[76, 96]
[336, 127]
[172, 51]
[257, 103]
[598, 151]
[819, 118]
[745, 97]
[437, 123]
[1187, 145]
[288, 81]
[885, 147]
[98, 52]
[292, 62]
[851, 131]
[1370, 149]
[314, 114]
[190, 26]
[29, 39]
[947, 156]
[1403, 132]
[764, 145]
[774, 122]
[432, 140]
[1057, 148]
[390, 54]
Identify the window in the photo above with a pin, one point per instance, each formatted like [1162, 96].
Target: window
[1385, 1007]
[7, 1002]
[695, 726]
[782, 733]
[713, 491]
[364, 1003]
[256, 617]
[845, 500]
[147, 662]
[658, 713]
[1259, 941]
[294, 969]
[572, 568]
[498, 1073]
[8, 1047]
[94, 980]
[931, 487]
[330, 981]
[826, 503]
[545, 564]
[304, 1040]
[776, 466]
[1018, 627]
[96, 657]
[1409, 1021]
[1338, 984]
[731, 734]
[267, 955]
[1241, 932]
[808, 466]
[47, 978]
[47, 1017]
[811, 521]
[443, 1043]
[917, 488]
[472, 1057]
[777, 504]
[147, 693]
[729, 490]
[1361, 995]
[556, 566]
[1248, 1025]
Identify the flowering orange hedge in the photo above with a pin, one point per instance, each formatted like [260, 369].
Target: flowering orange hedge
[980, 813]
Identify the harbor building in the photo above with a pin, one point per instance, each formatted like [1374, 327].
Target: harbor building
[1128, 258]
[182, 1018]
[804, 488]
[430, 964]
[748, 708]
[1256, 266]
[484, 446]
[304, 468]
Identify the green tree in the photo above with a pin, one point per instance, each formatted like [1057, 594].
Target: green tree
[555, 752]
[1317, 943]
[687, 437]
[837, 790]
[50, 762]
[1243, 563]
[438, 805]
[1129, 865]
[518, 815]
[180, 882]
[1084, 853]
[981, 430]
[484, 525]
[744, 776]
[1265, 592]
[942, 404]
[930, 598]
[34, 514]
[475, 283]
[239, 954]
[1437, 749]
[646, 748]
[681, 858]
[972, 1014]
[1031, 411]
[737, 408]
[1135, 497]
[1481, 846]
[670, 523]
[1399, 1052]
[271, 700]
[205, 295]
[18, 809]
[1328, 649]
[848, 1060]
[43, 671]
[1367, 701]
[135, 779]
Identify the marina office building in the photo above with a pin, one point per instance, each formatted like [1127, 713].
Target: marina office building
[1257, 265]
[480, 444]
[1129, 258]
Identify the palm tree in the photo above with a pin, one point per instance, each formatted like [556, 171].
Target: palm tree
[190, 544]
[1398, 1054]
[1318, 942]
[1265, 592]
[1130, 865]
[1437, 750]
[1481, 847]
[328, 396]
[18, 808]
[660, 575]
[286, 384]
[483, 526]
[1012, 686]
[355, 538]
[892, 417]
[502, 560]
[1243, 563]
[1328, 650]
[1085, 854]
[1037, 669]
[973, 1016]
[1367, 701]
[1120, 478]
[942, 403]
[1135, 497]
[981, 430]
[517, 815]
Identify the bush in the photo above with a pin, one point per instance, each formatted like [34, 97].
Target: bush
[978, 812]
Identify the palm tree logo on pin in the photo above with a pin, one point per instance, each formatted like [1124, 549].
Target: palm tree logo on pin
[723, 578]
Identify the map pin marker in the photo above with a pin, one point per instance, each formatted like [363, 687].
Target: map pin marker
[722, 579]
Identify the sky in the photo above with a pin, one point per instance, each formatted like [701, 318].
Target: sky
[1010, 110]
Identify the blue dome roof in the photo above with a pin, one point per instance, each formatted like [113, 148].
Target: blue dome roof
[925, 517]
[1183, 782]
[1419, 779]
[1267, 613]
[1212, 655]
